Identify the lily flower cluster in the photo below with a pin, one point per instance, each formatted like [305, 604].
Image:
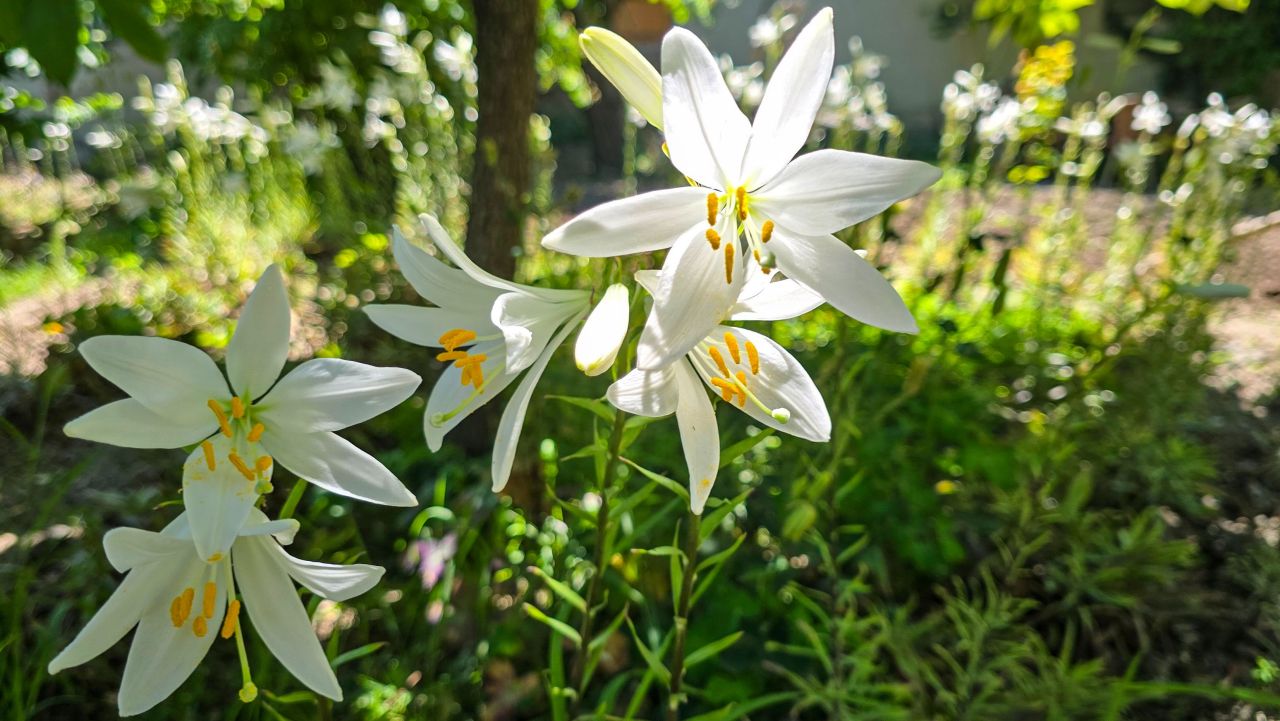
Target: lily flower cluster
[748, 238]
[186, 586]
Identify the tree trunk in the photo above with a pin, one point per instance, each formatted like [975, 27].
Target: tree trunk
[506, 83]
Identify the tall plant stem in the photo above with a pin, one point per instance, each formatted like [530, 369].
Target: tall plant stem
[295, 497]
[682, 616]
[594, 588]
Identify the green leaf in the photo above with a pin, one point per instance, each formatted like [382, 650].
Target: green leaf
[595, 405]
[357, 653]
[715, 560]
[1162, 46]
[738, 710]
[710, 650]
[733, 452]
[51, 31]
[798, 522]
[561, 589]
[1215, 291]
[129, 22]
[655, 664]
[554, 624]
[663, 481]
[11, 14]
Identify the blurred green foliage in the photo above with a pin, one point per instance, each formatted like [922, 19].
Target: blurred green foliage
[1035, 509]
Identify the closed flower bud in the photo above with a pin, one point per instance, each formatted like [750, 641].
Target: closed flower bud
[628, 71]
[602, 335]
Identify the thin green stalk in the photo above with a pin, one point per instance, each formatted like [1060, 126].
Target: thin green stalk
[295, 497]
[682, 617]
[602, 554]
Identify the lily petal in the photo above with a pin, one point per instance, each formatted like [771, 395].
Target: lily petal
[780, 300]
[437, 282]
[161, 656]
[130, 424]
[603, 332]
[137, 593]
[652, 394]
[699, 436]
[334, 464]
[329, 394]
[508, 436]
[172, 379]
[827, 190]
[527, 323]
[130, 547]
[779, 382]
[844, 279]
[218, 499]
[332, 581]
[260, 345]
[639, 224]
[424, 326]
[791, 101]
[451, 398]
[693, 296]
[628, 71]
[279, 617]
[705, 130]
[453, 252]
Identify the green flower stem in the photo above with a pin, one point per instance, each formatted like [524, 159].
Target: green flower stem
[682, 616]
[602, 553]
[295, 497]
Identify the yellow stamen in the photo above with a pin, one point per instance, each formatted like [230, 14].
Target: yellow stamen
[240, 465]
[741, 195]
[766, 231]
[456, 337]
[726, 394]
[200, 627]
[713, 238]
[731, 342]
[753, 357]
[184, 605]
[215, 558]
[229, 623]
[756, 253]
[237, 408]
[729, 257]
[476, 359]
[262, 464]
[725, 386]
[718, 357]
[452, 355]
[713, 208]
[256, 432]
[742, 388]
[209, 460]
[175, 612]
[210, 595]
[222, 417]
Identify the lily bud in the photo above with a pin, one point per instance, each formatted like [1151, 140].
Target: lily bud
[628, 71]
[602, 335]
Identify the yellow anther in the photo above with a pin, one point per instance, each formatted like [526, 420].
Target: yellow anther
[476, 359]
[713, 208]
[210, 595]
[175, 612]
[729, 258]
[240, 465]
[742, 378]
[753, 357]
[451, 355]
[262, 464]
[237, 408]
[756, 253]
[256, 432]
[741, 196]
[180, 609]
[713, 238]
[216, 407]
[215, 558]
[200, 627]
[726, 394]
[209, 460]
[731, 342]
[705, 483]
[718, 357]
[456, 337]
[229, 622]
[724, 385]
[766, 231]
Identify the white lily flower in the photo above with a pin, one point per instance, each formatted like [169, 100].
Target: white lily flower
[748, 182]
[746, 369]
[602, 335]
[489, 329]
[178, 397]
[180, 603]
